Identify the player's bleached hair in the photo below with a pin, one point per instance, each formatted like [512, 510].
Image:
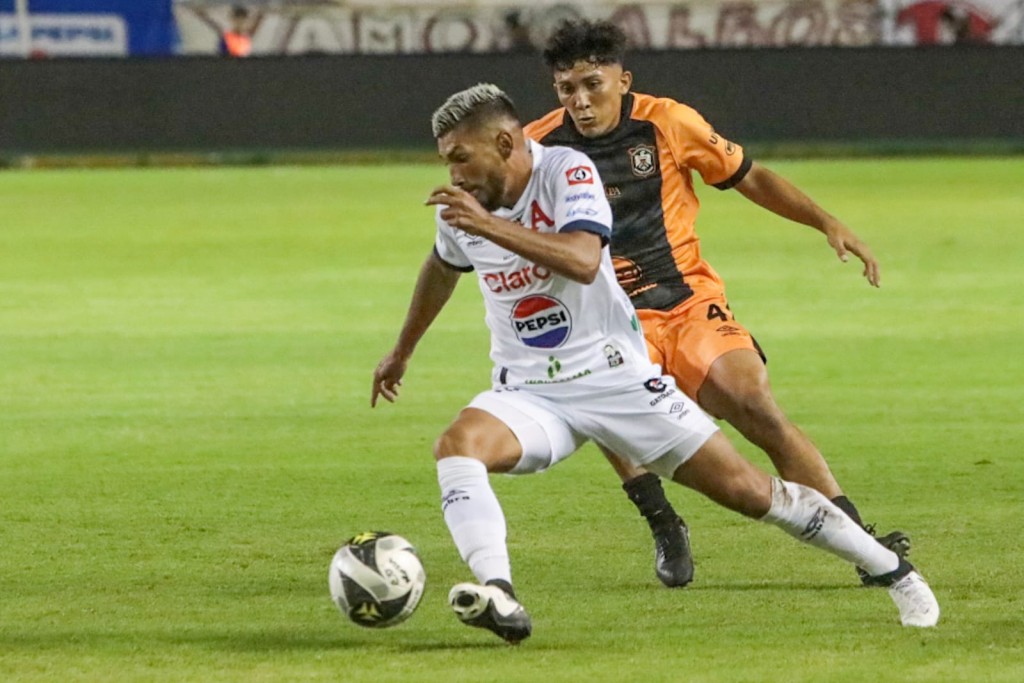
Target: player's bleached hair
[599, 42]
[482, 101]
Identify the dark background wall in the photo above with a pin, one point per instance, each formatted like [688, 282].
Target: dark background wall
[369, 102]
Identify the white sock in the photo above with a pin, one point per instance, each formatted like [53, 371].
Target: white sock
[474, 517]
[806, 515]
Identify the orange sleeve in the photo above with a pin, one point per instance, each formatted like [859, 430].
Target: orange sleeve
[538, 130]
[695, 144]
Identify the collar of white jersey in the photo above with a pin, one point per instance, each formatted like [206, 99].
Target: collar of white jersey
[537, 152]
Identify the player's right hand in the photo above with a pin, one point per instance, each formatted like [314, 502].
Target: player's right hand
[387, 378]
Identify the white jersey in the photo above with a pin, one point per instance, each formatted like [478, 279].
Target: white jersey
[548, 331]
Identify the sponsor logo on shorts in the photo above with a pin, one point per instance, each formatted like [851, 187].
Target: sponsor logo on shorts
[655, 385]
[661, 397]
[680, 408]
[541, 322]
[730, 331]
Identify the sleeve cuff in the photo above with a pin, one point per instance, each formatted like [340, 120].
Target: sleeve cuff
[461, 269]
[602, 231]
[736, 177]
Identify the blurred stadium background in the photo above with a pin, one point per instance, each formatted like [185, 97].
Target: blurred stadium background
[333, 76]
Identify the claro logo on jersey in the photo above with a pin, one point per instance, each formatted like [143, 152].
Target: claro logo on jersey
[541, 322]
[580, 175]
[516, 279]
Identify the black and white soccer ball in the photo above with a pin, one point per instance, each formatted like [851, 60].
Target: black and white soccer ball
[377, 579]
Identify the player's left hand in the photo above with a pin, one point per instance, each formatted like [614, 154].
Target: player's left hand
[461, 209]
[843, 240]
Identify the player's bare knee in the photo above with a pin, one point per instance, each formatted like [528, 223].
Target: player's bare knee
[459, 439]
[753, 404]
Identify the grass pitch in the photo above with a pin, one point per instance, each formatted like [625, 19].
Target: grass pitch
[185, 437]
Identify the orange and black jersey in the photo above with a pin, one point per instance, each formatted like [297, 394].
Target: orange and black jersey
[646, 164]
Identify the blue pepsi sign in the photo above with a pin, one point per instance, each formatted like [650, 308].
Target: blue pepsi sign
[84, 28]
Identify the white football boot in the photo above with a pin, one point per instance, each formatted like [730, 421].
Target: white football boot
[915, 600]
[491, 608]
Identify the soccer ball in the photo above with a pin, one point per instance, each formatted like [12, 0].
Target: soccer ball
[377, 579]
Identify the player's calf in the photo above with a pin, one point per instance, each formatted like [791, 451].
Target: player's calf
[673, 560]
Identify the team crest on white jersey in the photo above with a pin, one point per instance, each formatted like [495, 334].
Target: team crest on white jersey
[643, 160]
[541, 322]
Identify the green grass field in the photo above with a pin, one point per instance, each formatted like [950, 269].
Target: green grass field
[185, 437]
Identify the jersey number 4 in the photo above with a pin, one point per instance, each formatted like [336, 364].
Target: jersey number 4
[715, 311]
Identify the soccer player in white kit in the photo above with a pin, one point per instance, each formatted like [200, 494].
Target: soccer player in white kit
[570, 364]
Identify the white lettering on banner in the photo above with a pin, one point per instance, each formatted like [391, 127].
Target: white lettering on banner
[434, 26]
[67, 35]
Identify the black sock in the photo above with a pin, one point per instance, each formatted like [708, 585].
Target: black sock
[847, 506]
[503, 585]
[649, 497]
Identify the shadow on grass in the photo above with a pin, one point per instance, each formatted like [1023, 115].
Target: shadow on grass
[283, 641]
[780, 585]
[255, 641]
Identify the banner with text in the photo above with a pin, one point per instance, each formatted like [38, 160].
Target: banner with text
[89, 28]
[431, 26]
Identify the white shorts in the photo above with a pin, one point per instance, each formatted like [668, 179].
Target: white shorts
[651, 423]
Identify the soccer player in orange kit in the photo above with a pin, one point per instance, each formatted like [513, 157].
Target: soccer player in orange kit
[646, 149]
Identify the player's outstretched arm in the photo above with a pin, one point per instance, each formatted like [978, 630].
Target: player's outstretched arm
[434, 287]
[575, 255]
[773, 192]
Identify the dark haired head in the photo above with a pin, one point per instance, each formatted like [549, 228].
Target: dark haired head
[598, 42]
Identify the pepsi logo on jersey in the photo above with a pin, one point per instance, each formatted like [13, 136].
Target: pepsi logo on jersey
[541, 322]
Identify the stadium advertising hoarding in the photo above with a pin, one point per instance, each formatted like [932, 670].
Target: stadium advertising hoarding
[430, 26]
[88, 28]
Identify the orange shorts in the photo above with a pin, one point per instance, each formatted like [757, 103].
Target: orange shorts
[688, 339]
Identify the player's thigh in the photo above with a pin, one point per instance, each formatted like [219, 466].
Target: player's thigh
[542, 434]
[694, 336]
[643, 421]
